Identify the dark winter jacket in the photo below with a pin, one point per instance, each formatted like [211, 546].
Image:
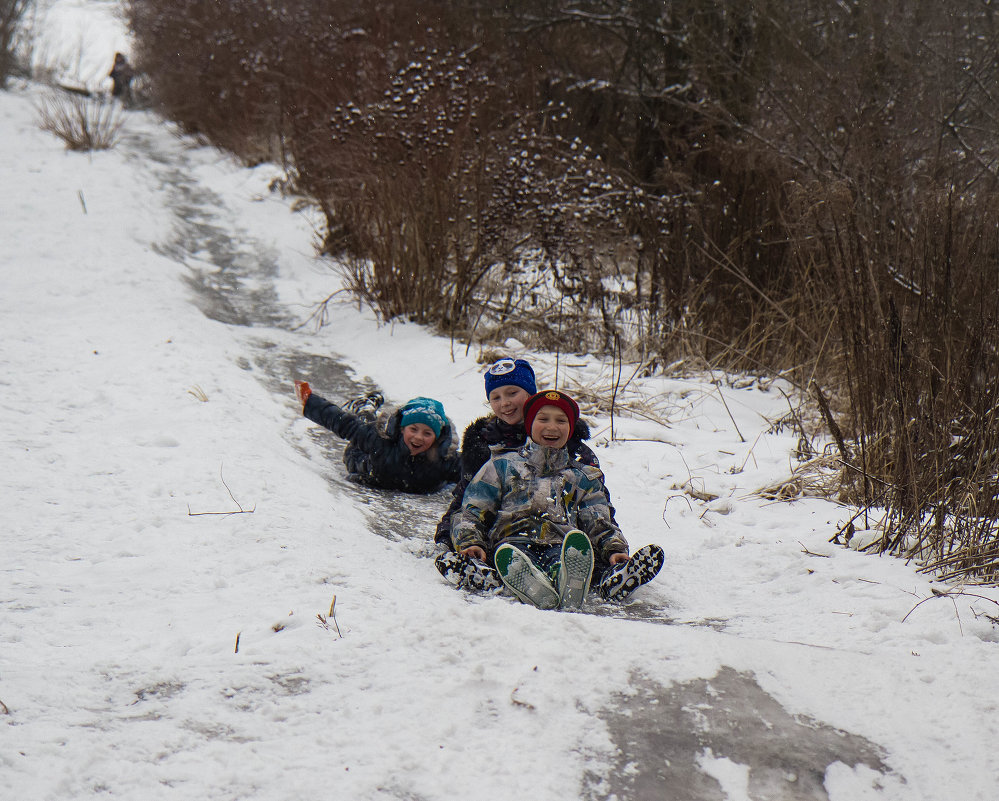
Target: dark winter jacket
[537, 492]
[488, 436]
[121, 77]
[377, 456]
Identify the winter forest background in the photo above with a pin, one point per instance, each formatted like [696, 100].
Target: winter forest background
[780, 188]
[784, 188]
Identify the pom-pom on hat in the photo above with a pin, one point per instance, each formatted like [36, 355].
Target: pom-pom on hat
[550, 397]
[424, 410]
[515, 372]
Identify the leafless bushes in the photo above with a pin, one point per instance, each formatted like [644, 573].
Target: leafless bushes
[783, 186]
[83, 123]
[895, 221]
[405, 179]
[919, 350]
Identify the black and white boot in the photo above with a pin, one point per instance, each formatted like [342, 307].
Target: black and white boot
[369, 403]
[624, 579]
[466, 573]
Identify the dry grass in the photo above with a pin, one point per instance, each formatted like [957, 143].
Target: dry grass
[820, 477]
[12, 13]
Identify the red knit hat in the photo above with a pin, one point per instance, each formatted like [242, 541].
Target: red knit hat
[550, 397]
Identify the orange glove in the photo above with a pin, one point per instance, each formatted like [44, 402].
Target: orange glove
[303, 390]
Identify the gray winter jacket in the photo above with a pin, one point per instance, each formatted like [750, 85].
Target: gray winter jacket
[540, 493]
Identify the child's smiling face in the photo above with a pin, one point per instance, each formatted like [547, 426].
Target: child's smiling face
[418, 437]
[507, 403]
[551, 427]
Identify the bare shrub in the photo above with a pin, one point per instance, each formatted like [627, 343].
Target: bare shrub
[797, 188]
[215, 67]
[83, 123]
[918, 345]
[403, 178]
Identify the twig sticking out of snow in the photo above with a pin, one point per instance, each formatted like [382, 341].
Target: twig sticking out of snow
[238, 511]
[952, 594]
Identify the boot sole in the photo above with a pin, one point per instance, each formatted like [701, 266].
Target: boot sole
[643, 566]
[576, 571]
[522, 577]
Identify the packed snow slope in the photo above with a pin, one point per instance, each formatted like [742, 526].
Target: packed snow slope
[176, 535]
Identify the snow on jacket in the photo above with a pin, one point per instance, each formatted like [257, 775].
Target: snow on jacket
[376, 454]
[540, 493]
[488, 436]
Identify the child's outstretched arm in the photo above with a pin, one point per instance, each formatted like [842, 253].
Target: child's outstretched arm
[343, 424]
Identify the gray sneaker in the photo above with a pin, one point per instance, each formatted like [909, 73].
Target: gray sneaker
[575, 570]
[371, 403]
[524, 579]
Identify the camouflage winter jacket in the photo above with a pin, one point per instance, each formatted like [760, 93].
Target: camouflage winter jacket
[376, 454]
[488, 436]
[540, 493]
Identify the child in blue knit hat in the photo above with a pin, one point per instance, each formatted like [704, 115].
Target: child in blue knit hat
[409, 449]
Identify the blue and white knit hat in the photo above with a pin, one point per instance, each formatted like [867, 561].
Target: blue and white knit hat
[424, 410]
[515, 372]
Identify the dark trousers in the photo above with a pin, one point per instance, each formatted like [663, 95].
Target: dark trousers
[545, 557]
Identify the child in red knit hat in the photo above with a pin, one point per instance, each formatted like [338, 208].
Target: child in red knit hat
[509, 383]
[542, 517]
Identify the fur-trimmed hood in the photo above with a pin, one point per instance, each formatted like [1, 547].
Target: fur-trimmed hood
[389, 424]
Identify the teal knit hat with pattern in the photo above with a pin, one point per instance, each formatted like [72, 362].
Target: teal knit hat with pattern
[424, 410]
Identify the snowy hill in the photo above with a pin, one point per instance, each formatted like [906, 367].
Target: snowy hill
[176, 533]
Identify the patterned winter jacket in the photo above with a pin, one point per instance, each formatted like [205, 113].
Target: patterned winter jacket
[540, 493]
[488, 436]
[376, 454]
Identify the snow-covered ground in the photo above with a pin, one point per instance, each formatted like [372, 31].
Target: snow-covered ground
[153, 646]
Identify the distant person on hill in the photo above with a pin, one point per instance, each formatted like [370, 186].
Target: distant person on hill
[542, 517]
[408, 449]
[508, 383]
[121, 79]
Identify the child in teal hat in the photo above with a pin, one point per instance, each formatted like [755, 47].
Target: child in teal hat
[424, 411]
[410, 449]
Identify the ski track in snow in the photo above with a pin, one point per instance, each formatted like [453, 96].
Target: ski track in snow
[140, 280]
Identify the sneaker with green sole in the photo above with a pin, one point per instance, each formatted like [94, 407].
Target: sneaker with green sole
[576, 570]
[525, 579]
